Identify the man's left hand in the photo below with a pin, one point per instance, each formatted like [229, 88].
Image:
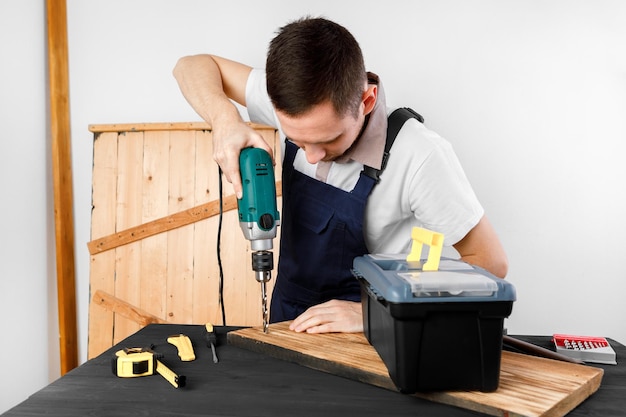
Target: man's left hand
[337, 316]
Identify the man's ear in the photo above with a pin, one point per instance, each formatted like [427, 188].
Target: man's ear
[369, 98]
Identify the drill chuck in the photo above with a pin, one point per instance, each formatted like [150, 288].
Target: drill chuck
[262, 265]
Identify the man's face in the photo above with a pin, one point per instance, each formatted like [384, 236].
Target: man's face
[321, 133]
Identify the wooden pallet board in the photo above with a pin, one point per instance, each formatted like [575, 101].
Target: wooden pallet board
[529, 386]
[146, 173]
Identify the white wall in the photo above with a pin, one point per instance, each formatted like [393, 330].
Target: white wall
[531, 93]
[28, 329]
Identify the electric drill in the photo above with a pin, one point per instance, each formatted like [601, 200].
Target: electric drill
[258, 215]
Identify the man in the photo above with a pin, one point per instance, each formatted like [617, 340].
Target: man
[316, 90]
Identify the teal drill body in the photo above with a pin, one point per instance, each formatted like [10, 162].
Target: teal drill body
[258, 215]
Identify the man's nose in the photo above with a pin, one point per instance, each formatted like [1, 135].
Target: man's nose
[314, 154]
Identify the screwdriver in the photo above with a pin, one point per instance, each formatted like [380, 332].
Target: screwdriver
[211, 340]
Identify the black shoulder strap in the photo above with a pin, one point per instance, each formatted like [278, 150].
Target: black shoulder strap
[394, 124]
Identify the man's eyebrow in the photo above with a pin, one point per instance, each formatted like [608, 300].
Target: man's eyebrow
[319, 143]
[333, 139]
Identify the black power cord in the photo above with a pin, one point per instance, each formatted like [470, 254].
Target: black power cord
[219, 256]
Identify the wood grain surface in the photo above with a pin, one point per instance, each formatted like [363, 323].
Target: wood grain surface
[154, 236]
[166, 223]
[529, 386]
[61, 161]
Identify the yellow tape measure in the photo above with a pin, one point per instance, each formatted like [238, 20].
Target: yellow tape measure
[136, 362]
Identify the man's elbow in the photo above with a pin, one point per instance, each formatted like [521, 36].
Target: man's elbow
[481, 247]
[181, 65]
[186, 62]
[499, 267]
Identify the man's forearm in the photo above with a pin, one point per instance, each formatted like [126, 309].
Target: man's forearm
[200, 81]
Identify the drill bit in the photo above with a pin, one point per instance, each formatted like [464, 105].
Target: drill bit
[264, 310]
[262, 265]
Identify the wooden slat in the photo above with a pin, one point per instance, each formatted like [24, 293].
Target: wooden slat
[124, 309]
[239, 283]
[102, 267]
[129, 213]
[205, 302]
[155, 204]
[529, 386]
[164, 224]
[58, 74]
[180, 241]
[145, 127]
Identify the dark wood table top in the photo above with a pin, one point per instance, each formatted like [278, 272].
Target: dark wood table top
[246, 383]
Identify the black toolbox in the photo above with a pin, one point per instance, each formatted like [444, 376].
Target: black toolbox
[434, 330]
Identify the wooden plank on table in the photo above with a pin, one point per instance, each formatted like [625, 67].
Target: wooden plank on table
[102, 267]
[529, 386]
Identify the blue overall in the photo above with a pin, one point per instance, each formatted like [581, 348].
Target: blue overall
[321, 234]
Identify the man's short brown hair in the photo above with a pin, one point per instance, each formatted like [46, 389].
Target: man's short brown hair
[312, 60]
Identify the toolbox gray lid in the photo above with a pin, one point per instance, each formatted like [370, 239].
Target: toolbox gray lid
[395, 280]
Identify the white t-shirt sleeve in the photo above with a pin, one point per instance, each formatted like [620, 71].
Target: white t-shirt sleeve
[423, 185]
[258, 102]
[442, 197]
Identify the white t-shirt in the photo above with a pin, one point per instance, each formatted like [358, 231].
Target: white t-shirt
[423, 184]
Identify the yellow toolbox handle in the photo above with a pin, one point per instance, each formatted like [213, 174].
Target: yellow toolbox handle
[423, 237]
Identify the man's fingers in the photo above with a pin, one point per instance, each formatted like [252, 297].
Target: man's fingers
[237, 187]
[261, 143]
[324, 328]
[234, 174]
[332, 316]
[227, 147]
[234, 178]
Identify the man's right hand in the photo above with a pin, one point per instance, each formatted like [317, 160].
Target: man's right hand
[228, 141]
